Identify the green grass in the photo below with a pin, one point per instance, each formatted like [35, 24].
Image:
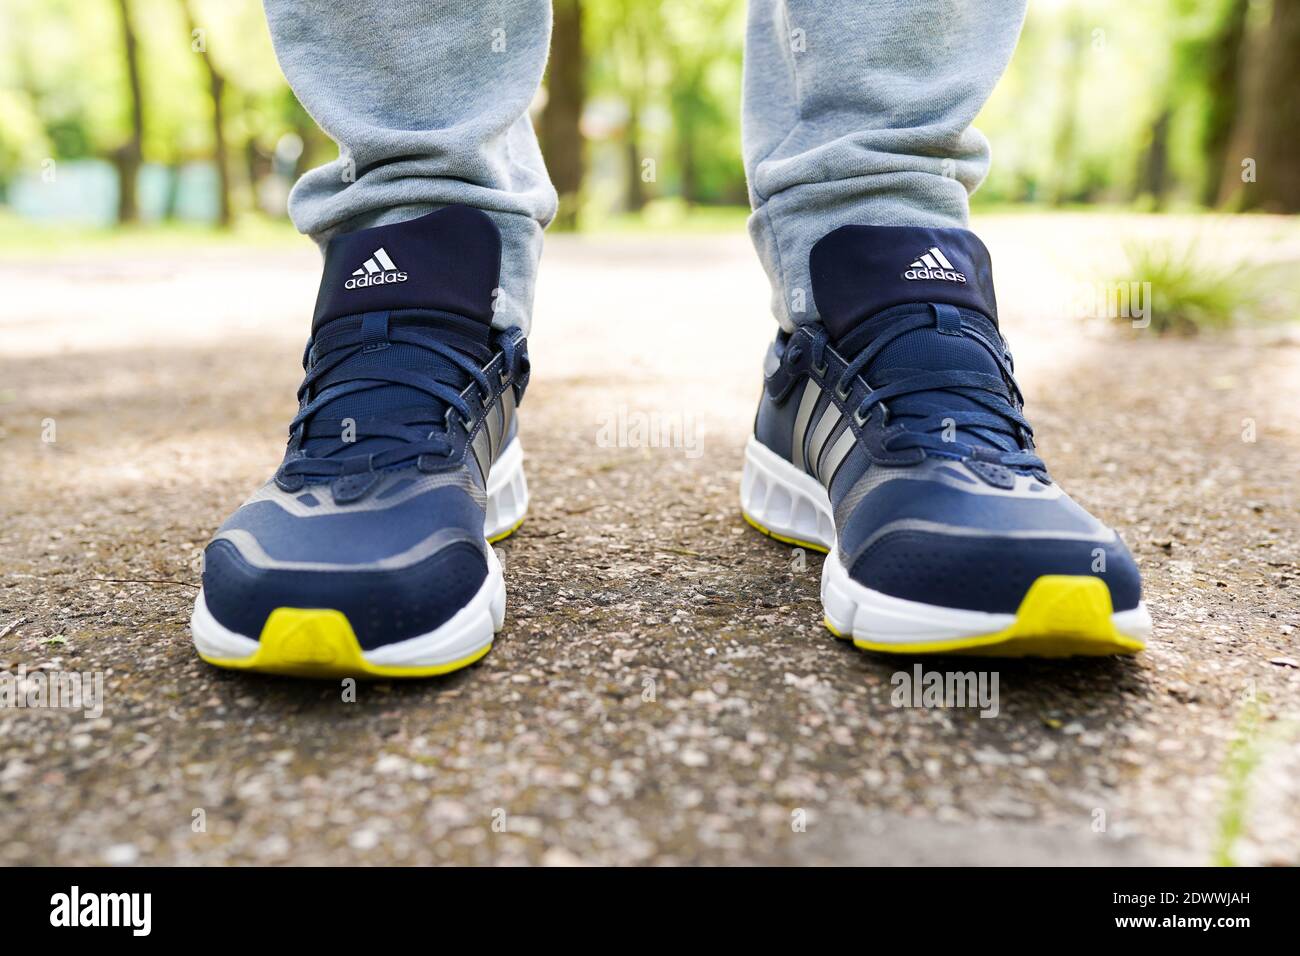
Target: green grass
[1245, 752]
[1243, 756]
[21, 238]
[1192, 290]
[669, 216]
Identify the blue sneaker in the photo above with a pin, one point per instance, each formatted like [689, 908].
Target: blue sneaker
[368, 553]
[893, 437]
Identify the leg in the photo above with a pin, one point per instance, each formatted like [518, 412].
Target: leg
[863, 117]
[428, 102]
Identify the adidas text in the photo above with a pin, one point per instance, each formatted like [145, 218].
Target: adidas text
[926, 273]
[378, 278]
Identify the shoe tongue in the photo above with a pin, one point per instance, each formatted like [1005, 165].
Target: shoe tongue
[868, 278]
[859, 271]
[448, 260]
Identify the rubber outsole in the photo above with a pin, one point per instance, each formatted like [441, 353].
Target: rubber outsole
[1060, 616]
[784, 539]
[318, 643]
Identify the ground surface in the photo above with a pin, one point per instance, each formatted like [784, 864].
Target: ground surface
[664, 691]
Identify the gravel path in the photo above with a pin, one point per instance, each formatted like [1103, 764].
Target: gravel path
[664, 691]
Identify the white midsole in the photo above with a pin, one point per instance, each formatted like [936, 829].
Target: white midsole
[783, 499]
[507, 491]
[792, 504]
[468, 631]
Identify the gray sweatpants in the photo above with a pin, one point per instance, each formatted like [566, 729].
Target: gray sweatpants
[852, 113]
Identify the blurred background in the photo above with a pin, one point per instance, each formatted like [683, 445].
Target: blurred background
[1164, 105]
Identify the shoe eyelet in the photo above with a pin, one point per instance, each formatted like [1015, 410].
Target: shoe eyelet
[843, 396]
[504, 375]
[821, 370]
[859, 418]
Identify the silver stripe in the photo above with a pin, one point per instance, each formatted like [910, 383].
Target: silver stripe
[494, 429]
[811, 392]
[251, 550]
[830, 418]
[482, 452]
[835, 457]
[507, 416]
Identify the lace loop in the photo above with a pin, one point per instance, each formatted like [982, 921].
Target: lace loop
[420, 429]
[998, 417]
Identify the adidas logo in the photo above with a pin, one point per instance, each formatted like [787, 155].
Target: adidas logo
[379, 269]
[933, 264]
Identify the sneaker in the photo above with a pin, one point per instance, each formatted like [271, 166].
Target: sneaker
[368, 552]
[893, 437]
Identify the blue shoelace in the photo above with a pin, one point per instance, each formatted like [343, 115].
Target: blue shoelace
[1000, 420]
[421, 429]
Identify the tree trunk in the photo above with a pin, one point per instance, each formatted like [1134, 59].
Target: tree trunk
[1153, 177]
[128, 156]
[216, 90]
[636, 191]
[560, 126]
[171, 199]
[687, 104]
[1223, 86]
[1063, 145]
[1277, 173]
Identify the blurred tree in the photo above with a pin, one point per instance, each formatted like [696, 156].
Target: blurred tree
[696, 49]
[638, 25]
[1103, 100]
[216, 91]
[1153, 178]
[1064, 146]
[1223, 69]
[560, 126]
[130, 154]
[1277, 131]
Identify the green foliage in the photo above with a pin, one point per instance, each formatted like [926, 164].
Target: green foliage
[1106, 71]
[1192, 291]
[664, 81]
[1105, 101]
[63, 86]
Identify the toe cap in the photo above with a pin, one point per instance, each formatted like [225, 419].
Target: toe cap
[383, 606]
[986, 572]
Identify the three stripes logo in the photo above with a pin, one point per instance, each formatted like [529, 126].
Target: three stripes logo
[933, 264]
[379, 269]
[820, 442]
